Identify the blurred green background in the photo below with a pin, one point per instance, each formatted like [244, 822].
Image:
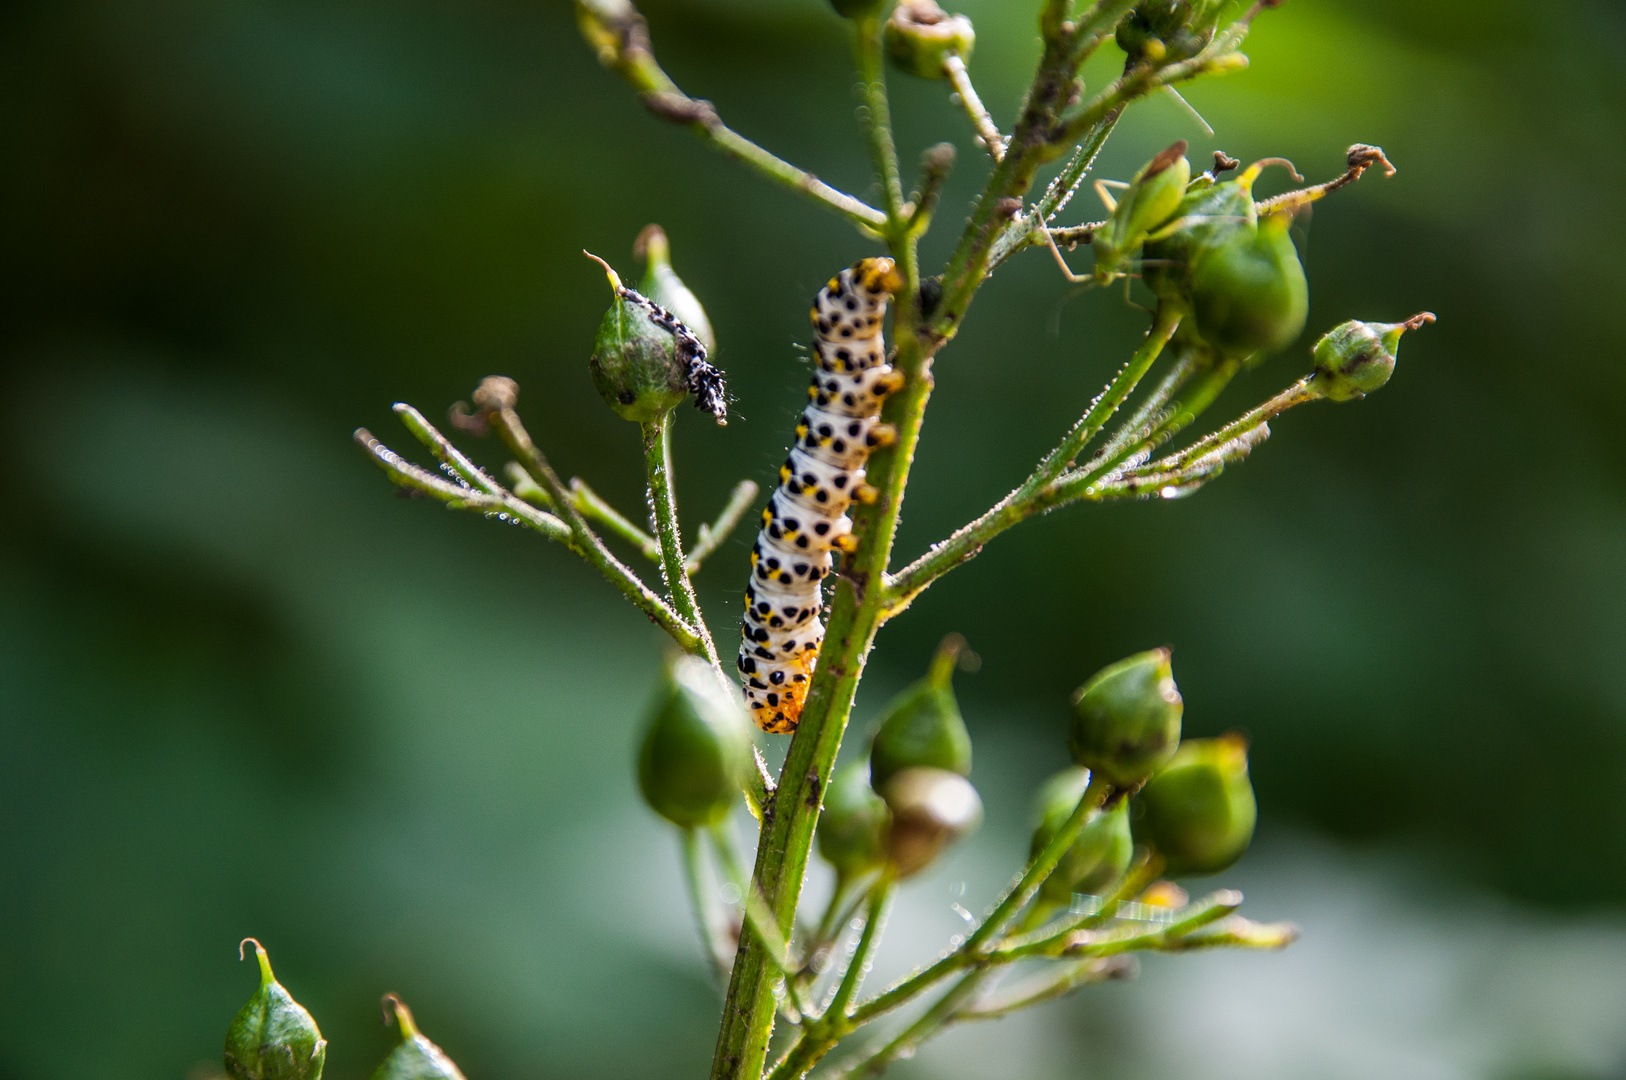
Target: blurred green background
[244, 690]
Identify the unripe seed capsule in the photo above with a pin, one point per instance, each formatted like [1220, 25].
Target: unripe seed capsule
[645, 359]
[416, 1058]
[273, 1037]
[1126, 719]
[922, 726]
[662, 285]
[1154, 195]
[1355, 358]
[1103, 849]
[1198, 812]
[853, 827]
[930, 808]
[1248, 293]
[920, 36]
[697, 749]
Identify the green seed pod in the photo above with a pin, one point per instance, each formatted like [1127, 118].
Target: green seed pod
[416, 1058]
[1126, 719]
[1198, 812]
[1153, 197]
[853, 826]
[662, 285]
[697, 750]
[1103, 849]
[1248, 293]
[1355, 358]
[645, 359]
[273, 1037]
[922, 725]
[930, 808]
[920, 36]
[1211, 212]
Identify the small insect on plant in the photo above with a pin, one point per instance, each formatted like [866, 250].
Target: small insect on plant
[1135, 804]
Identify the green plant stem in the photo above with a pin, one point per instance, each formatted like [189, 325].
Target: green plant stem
[622, 39]
[880, 903]
[707, 911]
[593, 505]
[1025, 501]
[940, 1013]
[447, 454]
[1066, 978]
[419, 481]
[973, 952]
[587, 544]
[663, 507]
[714, 534]
[867, 57]
[975, 110]
[821, 1036]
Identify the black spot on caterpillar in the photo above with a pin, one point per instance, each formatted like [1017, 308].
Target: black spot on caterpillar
[807, 514]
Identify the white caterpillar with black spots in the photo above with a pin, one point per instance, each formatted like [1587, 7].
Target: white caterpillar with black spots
[806, 516]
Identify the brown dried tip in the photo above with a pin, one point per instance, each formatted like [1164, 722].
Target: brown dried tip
[496, 392]
[650, 234]
[1363, 157]
[1419, 320]
[1165, 160]
[1224, 162]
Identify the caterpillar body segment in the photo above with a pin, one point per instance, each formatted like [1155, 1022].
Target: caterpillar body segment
[806, 516]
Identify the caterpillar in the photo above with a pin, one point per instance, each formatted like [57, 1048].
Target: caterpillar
[806, 515]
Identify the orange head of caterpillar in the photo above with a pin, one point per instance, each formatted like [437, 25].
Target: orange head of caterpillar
[878, 275]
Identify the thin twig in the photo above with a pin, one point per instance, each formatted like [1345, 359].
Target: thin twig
[987, 132]
[586, 542]
[707, 911]
[622, 39]
[714, 534]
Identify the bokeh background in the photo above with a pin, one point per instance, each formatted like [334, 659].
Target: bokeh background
[244, 690]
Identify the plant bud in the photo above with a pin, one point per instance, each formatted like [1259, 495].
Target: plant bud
[922, 726]
[273, 1037]
[697, 750]
[1355, 358]
[645, 359]
[1163, 31]
[930, 808]
[1126, 719]
[920, 36]
[416, 1058]
[662, 285]
[1153, 196]
[853, 826]
[1248, 292]
[1198, 812]
[1103, 849]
